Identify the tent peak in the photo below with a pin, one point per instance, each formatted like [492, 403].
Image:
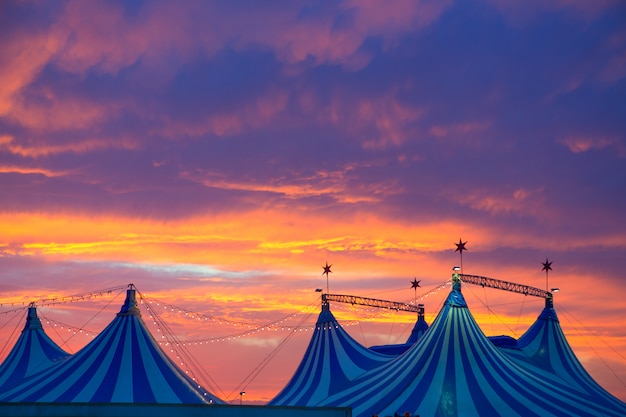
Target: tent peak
[130, 304]
[549, 313]
[455, 298]
[32, 320]
[326, 317]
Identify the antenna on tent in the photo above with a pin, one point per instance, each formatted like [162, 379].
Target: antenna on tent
[547, 266]
[415, 284]
[460, 247]
[327, 271]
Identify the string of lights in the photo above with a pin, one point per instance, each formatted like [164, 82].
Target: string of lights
[178, 351]
[70, 328]
[251, 329]
[194, 315]
[255, 372]
[86, 296]
[269, 327]
[275, 326]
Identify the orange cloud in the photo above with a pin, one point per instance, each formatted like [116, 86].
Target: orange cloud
[35, 148]
[333, 184]
[238, 240]
[5, 169]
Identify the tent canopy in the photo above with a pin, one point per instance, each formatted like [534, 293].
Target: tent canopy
[34, 351]
[122, 365]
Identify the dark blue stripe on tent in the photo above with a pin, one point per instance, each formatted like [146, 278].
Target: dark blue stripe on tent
[142, 392]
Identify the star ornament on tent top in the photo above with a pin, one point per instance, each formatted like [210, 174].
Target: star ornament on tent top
[327, 269]
[415, 283]
[547, 266]
[460, 247]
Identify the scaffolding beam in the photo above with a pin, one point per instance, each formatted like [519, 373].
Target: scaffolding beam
[372, 302]
[504, 285]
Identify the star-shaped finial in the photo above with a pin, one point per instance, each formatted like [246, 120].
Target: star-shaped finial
[460, 247]
[547, 266]
[327, 269]
[415, 283]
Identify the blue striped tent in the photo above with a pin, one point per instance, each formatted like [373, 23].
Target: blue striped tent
[34, 351]
[454, 370]
[418, 331]
[544, 348]
[332, 359]
[123, 364]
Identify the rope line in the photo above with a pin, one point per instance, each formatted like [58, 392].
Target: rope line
[17, 325]
[172, 341]
[255, 372]
[593, 348]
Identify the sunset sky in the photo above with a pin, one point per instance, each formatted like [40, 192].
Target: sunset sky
[217, 154]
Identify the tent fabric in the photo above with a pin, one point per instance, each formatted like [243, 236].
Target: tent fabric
[332, 359]
[33, 351]
[123, 364]
[454, 370]
[544, 348]
[418, 331]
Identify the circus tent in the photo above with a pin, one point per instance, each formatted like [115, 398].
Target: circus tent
[34, 351]
[332, 359]
[122, 365]
[454, 370]
[544, 348]
[418, 331]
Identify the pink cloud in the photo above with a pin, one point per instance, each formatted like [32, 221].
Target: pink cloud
[391, 118]
[379, 122]
[98, 35]
[96, 30]
[295, 41]
[334, 184]
[459, 129]
[579, 144]
[22, 57]
[257, 112]
[607, 70]
[53, 113]
[34, 148]
[521, 201]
